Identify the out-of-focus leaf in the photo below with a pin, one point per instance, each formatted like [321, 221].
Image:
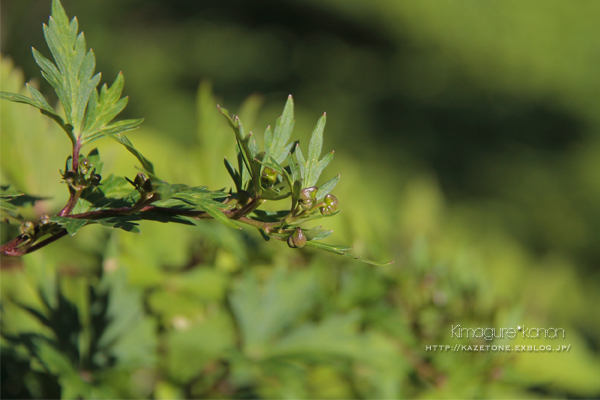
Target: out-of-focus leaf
[263, 314]
[190, 350]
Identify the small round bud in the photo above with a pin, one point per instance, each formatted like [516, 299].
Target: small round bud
[268, 176]
[27, 228]
[69, 176]
[297, 239]
[307, 197]
[95, 179]
[139, 180]
[330, 204]
[243, 197]
[85, 166]
[44, 219]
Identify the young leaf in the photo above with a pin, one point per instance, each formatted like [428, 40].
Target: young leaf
[327, 187]
[87, 113]
[314, 152]
[73, 76]
[276, 145]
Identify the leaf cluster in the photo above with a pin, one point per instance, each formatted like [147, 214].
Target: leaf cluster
[278, 172]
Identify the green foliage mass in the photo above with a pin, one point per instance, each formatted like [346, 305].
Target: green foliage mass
[203, 310]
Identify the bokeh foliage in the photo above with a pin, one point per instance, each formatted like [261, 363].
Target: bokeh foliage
[467, 137]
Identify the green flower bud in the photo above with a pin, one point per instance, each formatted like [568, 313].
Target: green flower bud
[143, 183]
[44, 219]
[95, 179]
[69, 176]
[27, 228]
[307, 197]
[243, 197]
[330, 204]
[297, 239]
[268, 177]
[139, 180]
[84, 166]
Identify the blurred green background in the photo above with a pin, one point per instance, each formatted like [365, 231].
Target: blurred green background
[467, 135]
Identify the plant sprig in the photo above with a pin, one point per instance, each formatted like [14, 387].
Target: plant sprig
[278, 172]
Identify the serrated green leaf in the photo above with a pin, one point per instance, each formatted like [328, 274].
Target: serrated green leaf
[72, 225]
[73, 77]
[42, 106]
[123, 223]
[87, 113]
[19, 98]
[39, 98]
[264, 313]
[327, 187]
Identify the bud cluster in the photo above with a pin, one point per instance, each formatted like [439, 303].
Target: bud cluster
[85, 176]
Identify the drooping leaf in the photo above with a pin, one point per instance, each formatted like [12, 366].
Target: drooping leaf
[72, 225]
[343, 251]
[40, 103]
[121, 222]
[146, 164]
[214, 211]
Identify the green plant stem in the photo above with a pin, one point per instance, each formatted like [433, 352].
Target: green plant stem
[17, 246]
[14, 248]
[73, 197]
[73, 193]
